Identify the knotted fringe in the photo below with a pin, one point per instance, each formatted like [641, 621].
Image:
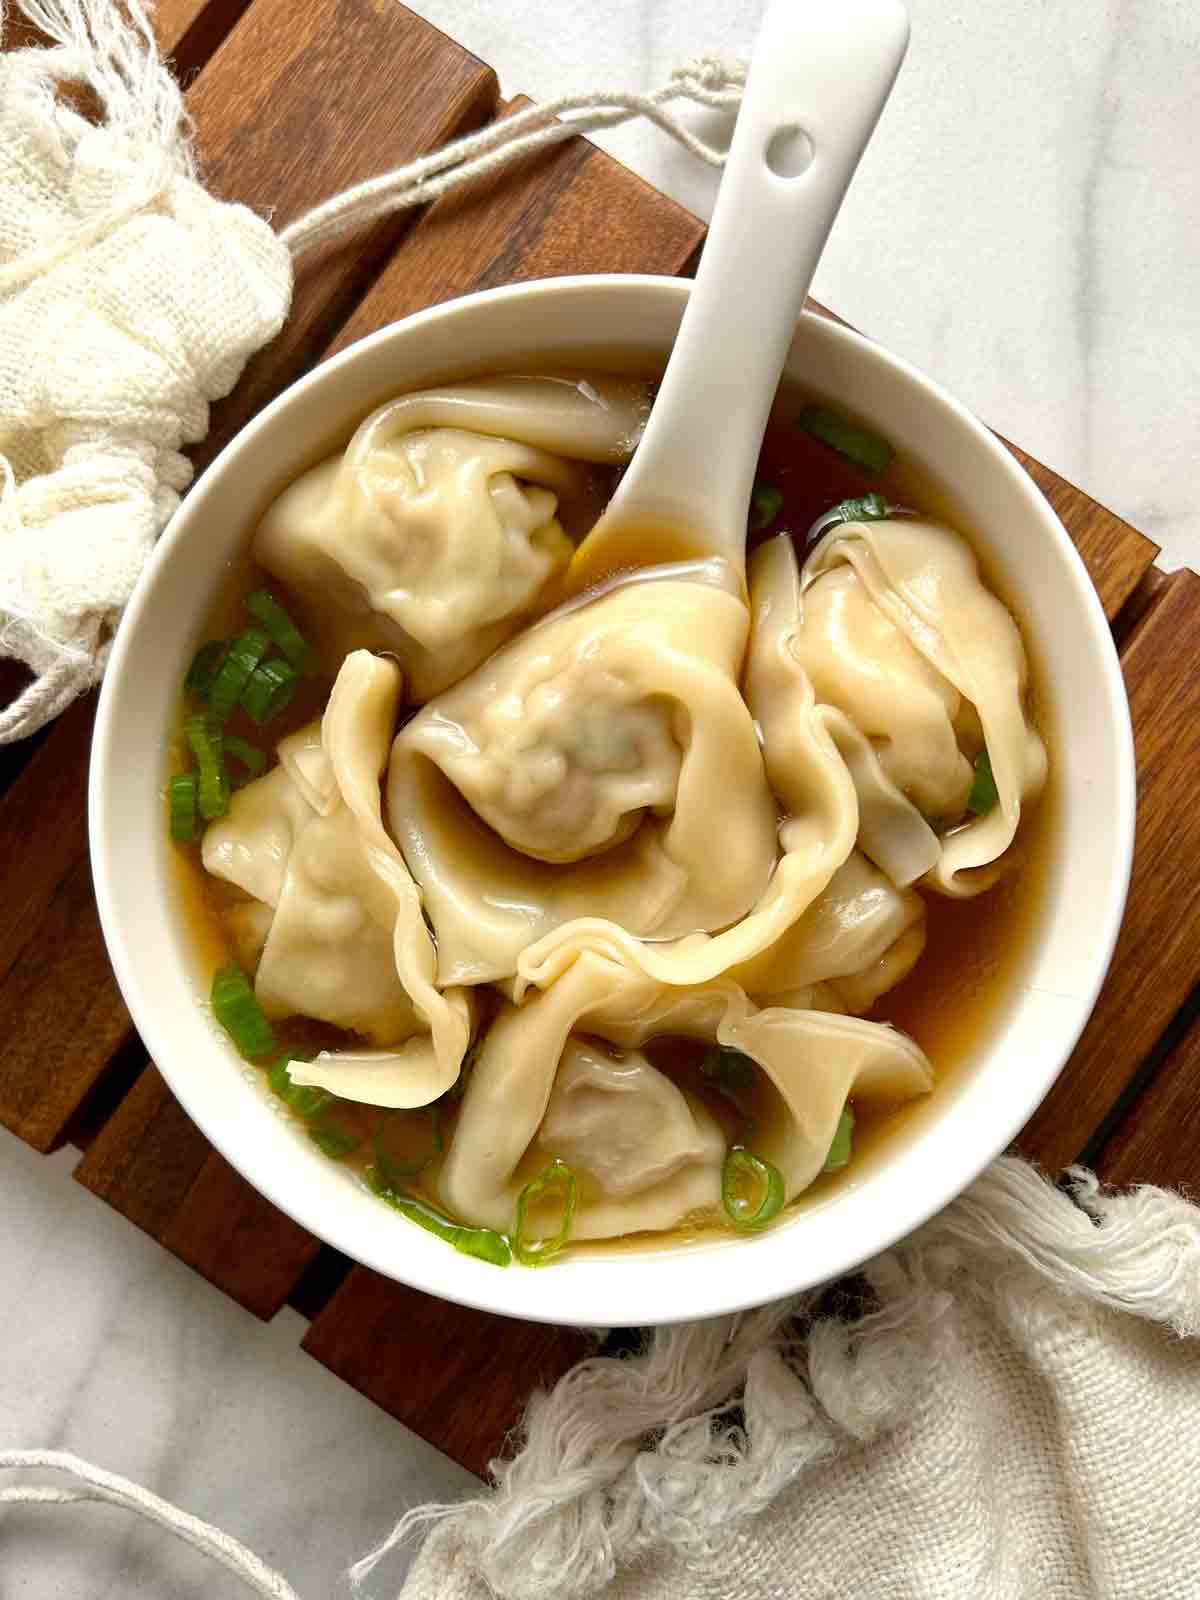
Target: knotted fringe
[108, 47]
[709, 1422]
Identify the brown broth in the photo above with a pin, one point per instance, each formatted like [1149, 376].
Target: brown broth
[951, 1003]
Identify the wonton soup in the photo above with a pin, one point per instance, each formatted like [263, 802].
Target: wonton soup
[632, 914]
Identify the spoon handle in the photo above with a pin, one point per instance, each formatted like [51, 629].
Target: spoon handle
[819, 77]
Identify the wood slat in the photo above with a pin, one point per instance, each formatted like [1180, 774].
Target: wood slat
[238, 1240]
[1117, 556]
[1158, 1139]
[457, 1377]
[567, 209]
[152, 1163]
[146, 1158]
[188, 31]
[301, 102]
[1154, 967]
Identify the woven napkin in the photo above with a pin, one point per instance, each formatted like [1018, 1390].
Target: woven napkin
[1014, 1412]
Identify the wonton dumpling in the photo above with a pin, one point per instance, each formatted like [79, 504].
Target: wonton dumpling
[343, 938]
[899, 632]
[859, 939]
[512, 753]
[494, 785]
[648, 1154]
[786, 704]
[435, 535]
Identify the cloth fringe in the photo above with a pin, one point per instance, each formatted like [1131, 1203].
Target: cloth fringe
[108, 48]
[678, 1444]
[709, 1422]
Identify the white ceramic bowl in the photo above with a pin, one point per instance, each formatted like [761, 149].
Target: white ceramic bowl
[944, 1146]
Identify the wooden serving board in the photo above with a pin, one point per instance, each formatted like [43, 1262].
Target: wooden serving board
[290, 104]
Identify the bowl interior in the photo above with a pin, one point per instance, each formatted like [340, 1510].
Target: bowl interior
[972, 1116]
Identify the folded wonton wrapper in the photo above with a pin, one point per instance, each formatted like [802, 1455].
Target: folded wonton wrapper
[337, 913]
[646, 1153]
[497, 785]
[898, 631]
[434, 536]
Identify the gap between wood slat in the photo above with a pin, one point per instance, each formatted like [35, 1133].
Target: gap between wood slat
[1157, 1139]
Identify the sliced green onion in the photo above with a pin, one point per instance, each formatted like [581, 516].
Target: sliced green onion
[181, 801]
[765, 502]
[206, 663]
[285, 635]
[245, 653]
[305, 1099]
[839, 1150]
[741, 1169]
[731, 1075]
[728, 1069]
[867, 508]
[984, 795]
[247, 754]
[269, 689]
[866, 450]
[212, 793]
[334, 1140]
[535, 1252]
[485, 1244]
[239, 1013]
[394, 1155]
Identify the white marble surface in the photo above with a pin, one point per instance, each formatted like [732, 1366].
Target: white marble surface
[1027, 229]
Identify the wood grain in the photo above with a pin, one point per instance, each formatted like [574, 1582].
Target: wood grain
[299, 103]
[1158, 1139]
[152, 1163]
[238, 1240]
[1117, 556]
[146, 1158]
[457, 1377]
[187, 31]
[1154, 967]
[568, 209]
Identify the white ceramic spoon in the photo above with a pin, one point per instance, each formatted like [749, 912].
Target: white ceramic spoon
[819, 77]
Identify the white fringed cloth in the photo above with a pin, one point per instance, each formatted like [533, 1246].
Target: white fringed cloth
[1015, 1417]
[1004, 1407]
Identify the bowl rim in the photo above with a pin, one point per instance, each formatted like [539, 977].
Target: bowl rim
[523, 1294]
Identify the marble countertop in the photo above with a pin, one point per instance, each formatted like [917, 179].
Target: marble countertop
[1025, 228]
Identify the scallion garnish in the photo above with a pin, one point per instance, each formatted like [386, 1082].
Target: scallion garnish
[984, 795]
[333, 1139]
[742, 1171]
[284, 632]
[305, 1099]
[206, 663]
[397, 1153]
[765, 503]
[535, 1252]
[485, 1244]
[249, 756]
[728, 1069]
[245, 653]
[239, 1013]
[212, 792]
[866, 450]
[268, 690]
[866, 508]
[181, 801]
[731, 1074]
[839, 1150]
